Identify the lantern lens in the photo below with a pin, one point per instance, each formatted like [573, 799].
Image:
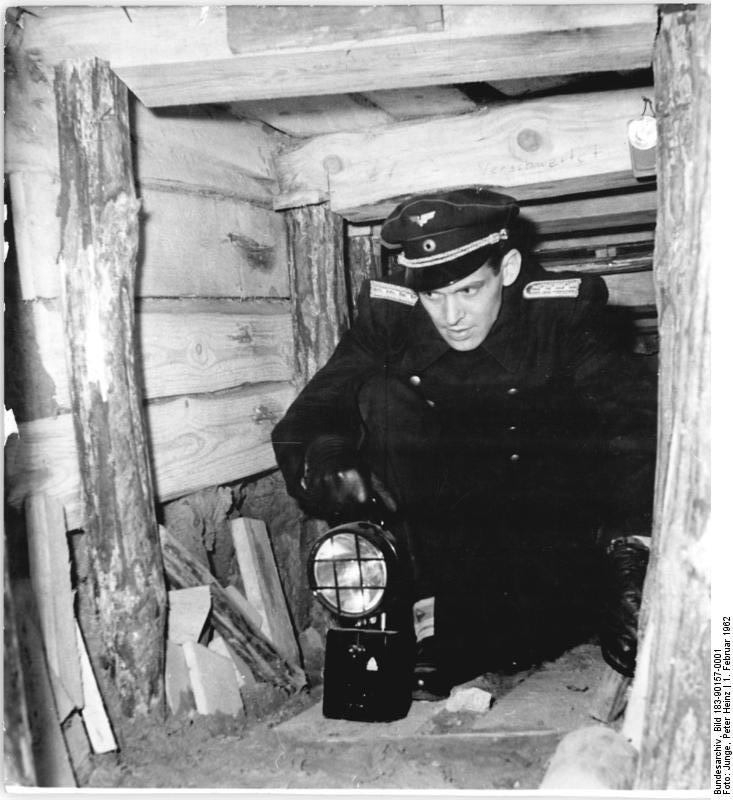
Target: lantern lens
[348, 570]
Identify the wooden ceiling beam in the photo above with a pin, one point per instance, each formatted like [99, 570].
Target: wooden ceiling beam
[532, 148]
[176, 55]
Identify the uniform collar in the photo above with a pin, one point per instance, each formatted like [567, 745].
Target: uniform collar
[504, 342]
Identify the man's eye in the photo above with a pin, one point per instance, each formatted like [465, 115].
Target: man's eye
[469, 290]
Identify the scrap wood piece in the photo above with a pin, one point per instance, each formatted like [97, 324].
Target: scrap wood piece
[99, 730]
[213, 680]
[188, 610]
[610, 698]
[178, 687]
[247, 609]
[262, 583]
[245, 676]
[50, 757]
[78, 746]
[50, 571]
[184, 570]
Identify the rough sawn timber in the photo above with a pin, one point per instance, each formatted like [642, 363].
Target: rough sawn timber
[177, 55]
[99, 241]
[533, 142]
[674, 740]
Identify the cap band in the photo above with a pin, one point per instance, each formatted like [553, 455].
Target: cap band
[450, 255]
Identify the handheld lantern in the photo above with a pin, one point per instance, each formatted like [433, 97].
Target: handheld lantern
[353, 572]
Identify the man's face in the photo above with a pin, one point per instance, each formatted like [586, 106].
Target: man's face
[464, 312]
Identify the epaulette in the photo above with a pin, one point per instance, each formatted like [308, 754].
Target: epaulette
[388, 291]
[546, 290]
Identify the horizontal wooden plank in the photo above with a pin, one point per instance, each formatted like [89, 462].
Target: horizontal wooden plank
[177, 55]
[187, 346]
[567, 137]
[210, 246]
[190, 244]
[195, 442]
[255, 28]
[594, 213]
[313, 116]
[641, 238]
[226, 156]
[439, 59]
[421, 101]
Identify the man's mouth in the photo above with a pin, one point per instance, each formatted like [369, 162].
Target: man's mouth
[460, 334]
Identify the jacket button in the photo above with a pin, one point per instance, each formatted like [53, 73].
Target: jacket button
[512, 390]
[512, 427]
[431, 403]
[514, 457]
[415, 380]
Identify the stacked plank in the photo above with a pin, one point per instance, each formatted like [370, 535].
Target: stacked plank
[212, 298]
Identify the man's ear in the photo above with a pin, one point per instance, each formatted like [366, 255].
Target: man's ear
[510, 266]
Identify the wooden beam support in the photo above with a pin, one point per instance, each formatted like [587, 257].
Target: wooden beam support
[675, 625]
[318, 286]
[177, 55]
[99, 241]
[531, 143]
[195, 442]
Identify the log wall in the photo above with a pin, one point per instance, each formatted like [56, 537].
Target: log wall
[213, 331]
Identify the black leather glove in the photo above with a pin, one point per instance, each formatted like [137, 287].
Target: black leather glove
[625, 566]
[335, 482]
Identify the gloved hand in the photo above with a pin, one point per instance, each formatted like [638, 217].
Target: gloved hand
[335, 482]
[625, 565]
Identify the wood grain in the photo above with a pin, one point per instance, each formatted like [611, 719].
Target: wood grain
[529, 142]
[674, 740]
[98, 258]
[262, 583]
[186, 346]
[195, 442]
[50, 571]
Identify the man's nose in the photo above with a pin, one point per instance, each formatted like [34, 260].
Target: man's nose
[453, 310]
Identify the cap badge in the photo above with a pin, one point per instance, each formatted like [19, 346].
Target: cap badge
[428, 245]
[423, 219]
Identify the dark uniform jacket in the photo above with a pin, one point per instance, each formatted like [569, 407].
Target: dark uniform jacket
[544, 398]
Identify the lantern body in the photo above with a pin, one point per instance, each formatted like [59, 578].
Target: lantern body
[367, 675]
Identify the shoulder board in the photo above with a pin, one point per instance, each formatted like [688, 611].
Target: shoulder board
[388, 291]
[544, 290]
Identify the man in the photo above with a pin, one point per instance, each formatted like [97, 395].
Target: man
[490, 401]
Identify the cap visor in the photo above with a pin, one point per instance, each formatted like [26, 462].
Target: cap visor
[426, 279]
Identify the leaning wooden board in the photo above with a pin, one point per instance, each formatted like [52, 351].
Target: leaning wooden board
[262, 583]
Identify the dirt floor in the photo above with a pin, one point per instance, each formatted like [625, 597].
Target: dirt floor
[506, 747]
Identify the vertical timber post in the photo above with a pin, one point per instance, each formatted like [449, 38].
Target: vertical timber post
[363, 260]
[675, 628]
[319, 311]
[317, 286]
[99, 238]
